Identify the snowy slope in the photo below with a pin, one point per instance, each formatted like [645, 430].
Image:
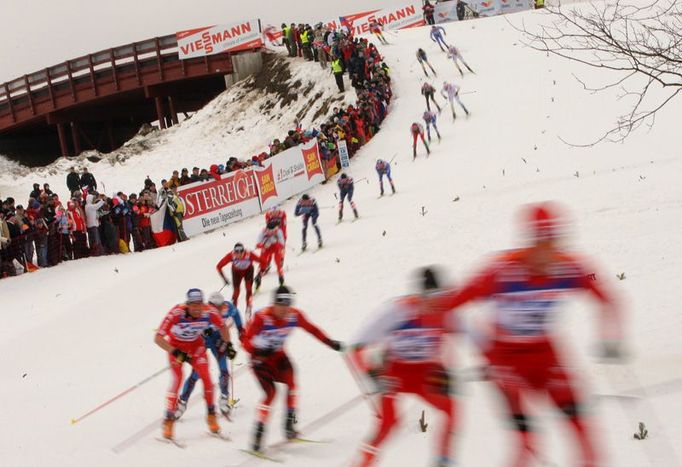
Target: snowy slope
[78, 334]
[241, 122]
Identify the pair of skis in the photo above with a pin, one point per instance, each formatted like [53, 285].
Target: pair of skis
[264, 455]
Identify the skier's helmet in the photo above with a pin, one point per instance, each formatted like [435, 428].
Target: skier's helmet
[283, 296]
[543, 222]
[344, 176]
[238, 248]
[195, 296]
[305, 197]
[429, 279]
[272, 225]
[216, 299]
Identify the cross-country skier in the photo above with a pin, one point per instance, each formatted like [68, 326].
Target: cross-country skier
[430, 119]
[272, 244]
[454, 54]
[411, 334]
[417, 131]
[346, 187]
[277, 214]
[422, 59]
[451, 92]
[221, 351]
[384, 168]
[437, 33]
[527, 285]
[181, 335]
[242, 269]
[428, 92]
[377, 29]
[264, 341]
[307, 207]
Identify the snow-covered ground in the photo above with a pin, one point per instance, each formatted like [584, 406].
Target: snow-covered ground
[76, 335]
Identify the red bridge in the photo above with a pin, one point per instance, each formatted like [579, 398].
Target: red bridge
[99, 101]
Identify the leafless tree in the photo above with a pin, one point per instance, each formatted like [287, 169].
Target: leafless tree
[641, 45]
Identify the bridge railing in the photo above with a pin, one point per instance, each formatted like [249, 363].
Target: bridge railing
[159, 47]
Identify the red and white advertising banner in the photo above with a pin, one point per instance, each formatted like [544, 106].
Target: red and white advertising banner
[445, 12]
[220, 38]
[214, 204]
[289, 173]
[401, 17]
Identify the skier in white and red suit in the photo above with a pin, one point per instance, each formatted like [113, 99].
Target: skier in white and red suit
[271, 242]
[527, 285]
[242, 269]
[413, 332]
[264, 340]
[278, 215]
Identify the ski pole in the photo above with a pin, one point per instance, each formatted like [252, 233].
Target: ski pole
[358, 380]
[118, 396]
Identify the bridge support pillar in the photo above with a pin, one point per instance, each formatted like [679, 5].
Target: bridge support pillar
[160, 114]
[76, 138]
[63, 145]
[173, 113]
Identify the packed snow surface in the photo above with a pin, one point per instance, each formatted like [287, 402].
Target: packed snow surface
[78, 334]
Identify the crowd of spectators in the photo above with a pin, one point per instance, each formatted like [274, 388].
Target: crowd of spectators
[45, 232]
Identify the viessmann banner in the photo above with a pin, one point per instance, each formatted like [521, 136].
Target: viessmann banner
[400, 17]
[220, 38]
[209, 205]
[289, 173]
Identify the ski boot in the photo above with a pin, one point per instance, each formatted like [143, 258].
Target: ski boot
[414, 152]
[340, 216]
[167, 427]
[393, 188]
[438, 137]
[428, 151]
[319, 243]
[225, 407]
[281, 280]
[444, 462]
[258, 437]
[355, 213]
[289, 428]
[304, 246]
[212, 422]
[182, 406]
[465, 111]
[257, 281]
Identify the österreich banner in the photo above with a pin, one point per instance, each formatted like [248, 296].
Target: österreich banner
[289, 173]
[401, 17]
[209, 205]
[220, 38]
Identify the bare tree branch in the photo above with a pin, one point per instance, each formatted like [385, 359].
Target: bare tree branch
[632, 41]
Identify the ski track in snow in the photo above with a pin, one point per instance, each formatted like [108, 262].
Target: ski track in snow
[80, 333]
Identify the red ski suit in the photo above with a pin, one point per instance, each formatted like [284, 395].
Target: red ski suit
[242, 269]
[272, 243]
[414, 330]
[185, 333]
[520, 350]
[267, 334]
[280, 216]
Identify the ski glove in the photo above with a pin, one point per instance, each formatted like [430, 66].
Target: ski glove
[336, 345]
[208, 332]
[181, 356]
[228, 349]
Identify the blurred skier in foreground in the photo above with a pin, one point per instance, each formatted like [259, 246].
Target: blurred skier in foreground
[527, 285]
[413, 334]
